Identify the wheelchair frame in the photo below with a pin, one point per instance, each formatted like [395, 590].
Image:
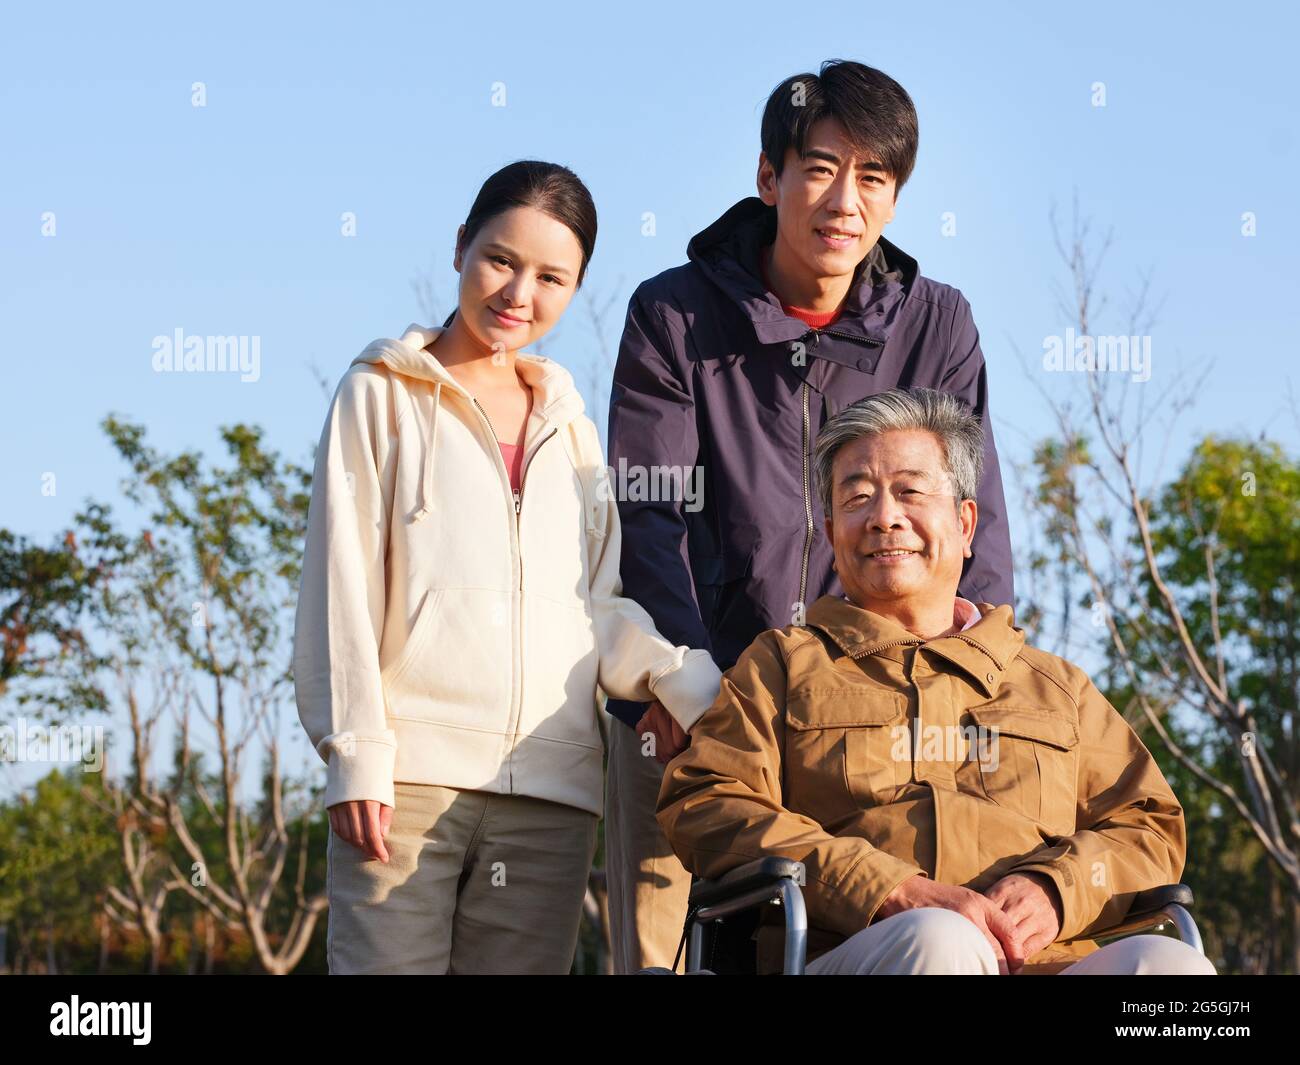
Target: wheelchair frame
[776, 880]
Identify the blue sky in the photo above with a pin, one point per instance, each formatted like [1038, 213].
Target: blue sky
[225, 219]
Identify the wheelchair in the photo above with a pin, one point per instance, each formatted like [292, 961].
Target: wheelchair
[723, 913]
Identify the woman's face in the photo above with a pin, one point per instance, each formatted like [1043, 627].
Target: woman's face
[516, 277]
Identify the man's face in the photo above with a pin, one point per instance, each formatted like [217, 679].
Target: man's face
[898, 536]
[831, 205]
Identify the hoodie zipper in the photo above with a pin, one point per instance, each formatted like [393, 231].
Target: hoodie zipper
[519, 502]
[523, 483]
[513, 722]
[809, 527]
[517, 493]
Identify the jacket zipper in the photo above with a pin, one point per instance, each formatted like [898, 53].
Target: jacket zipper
[978, 646]
[807, 504]
[906, 643]
[884, 646]
[851, 336]
[901, 643]
[809, 528]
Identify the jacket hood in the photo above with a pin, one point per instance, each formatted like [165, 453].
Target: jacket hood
[728, 253]
[984, 651]
[556, 399]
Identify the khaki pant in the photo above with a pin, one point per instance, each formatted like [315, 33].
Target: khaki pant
[476, 882]
[937, 941]
[648, 885]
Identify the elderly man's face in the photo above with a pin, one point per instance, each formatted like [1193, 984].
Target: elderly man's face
[898, 535]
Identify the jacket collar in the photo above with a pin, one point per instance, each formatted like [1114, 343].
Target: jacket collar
[728, 253]
[984, 651]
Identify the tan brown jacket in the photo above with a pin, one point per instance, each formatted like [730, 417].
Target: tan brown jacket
[812, 752]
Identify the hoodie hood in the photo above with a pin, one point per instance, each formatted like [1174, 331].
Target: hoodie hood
[728, 253]
[556, 400]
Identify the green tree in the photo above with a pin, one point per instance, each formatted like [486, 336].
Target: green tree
[1226, 533]
[56, 853]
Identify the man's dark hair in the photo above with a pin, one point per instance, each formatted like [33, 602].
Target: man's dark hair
[877, 114]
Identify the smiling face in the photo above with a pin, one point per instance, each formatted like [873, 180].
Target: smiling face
[899, 539]
[516, 277]
[832, 205]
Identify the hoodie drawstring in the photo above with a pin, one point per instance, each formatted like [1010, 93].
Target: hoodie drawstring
[426, 472]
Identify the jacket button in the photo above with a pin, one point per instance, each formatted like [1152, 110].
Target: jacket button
[989, 677]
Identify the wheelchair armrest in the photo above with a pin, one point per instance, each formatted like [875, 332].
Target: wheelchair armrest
[747, 887]
[1152, 907]
[1157, 898]
[759, 873]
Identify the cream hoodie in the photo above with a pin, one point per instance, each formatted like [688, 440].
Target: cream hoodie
[442, 637]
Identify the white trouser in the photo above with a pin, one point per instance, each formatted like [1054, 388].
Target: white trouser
[937, 941]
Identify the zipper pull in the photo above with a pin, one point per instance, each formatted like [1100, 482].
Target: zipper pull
[516, 491]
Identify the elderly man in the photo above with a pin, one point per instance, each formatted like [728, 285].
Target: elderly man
[961, 802]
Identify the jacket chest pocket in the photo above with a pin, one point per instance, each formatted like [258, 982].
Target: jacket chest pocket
[844, 749]
[1028, 763]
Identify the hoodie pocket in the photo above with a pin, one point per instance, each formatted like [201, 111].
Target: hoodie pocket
[561, 670]
[457, 665]
[415, 640]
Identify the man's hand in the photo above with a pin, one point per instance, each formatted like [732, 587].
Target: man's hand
[1033, 904]
[984, 913]
[670, 738]
[363, 823]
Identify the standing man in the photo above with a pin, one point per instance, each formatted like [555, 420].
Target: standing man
[792, 307]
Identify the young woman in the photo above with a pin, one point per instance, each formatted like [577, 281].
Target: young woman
[460, 603]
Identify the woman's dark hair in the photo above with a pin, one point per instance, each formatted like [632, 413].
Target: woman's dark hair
[553, 189]
[877, 114]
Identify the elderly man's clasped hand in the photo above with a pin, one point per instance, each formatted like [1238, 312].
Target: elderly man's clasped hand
[1019, 914]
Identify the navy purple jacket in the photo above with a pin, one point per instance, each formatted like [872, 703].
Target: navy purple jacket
[706, 376]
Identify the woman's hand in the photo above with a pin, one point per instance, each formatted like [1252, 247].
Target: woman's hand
[363, 823]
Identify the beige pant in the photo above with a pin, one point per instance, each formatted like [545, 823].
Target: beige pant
[476, 882]
[932, 940]
[648, 885]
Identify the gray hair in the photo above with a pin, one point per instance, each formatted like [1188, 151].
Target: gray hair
[960, 433]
